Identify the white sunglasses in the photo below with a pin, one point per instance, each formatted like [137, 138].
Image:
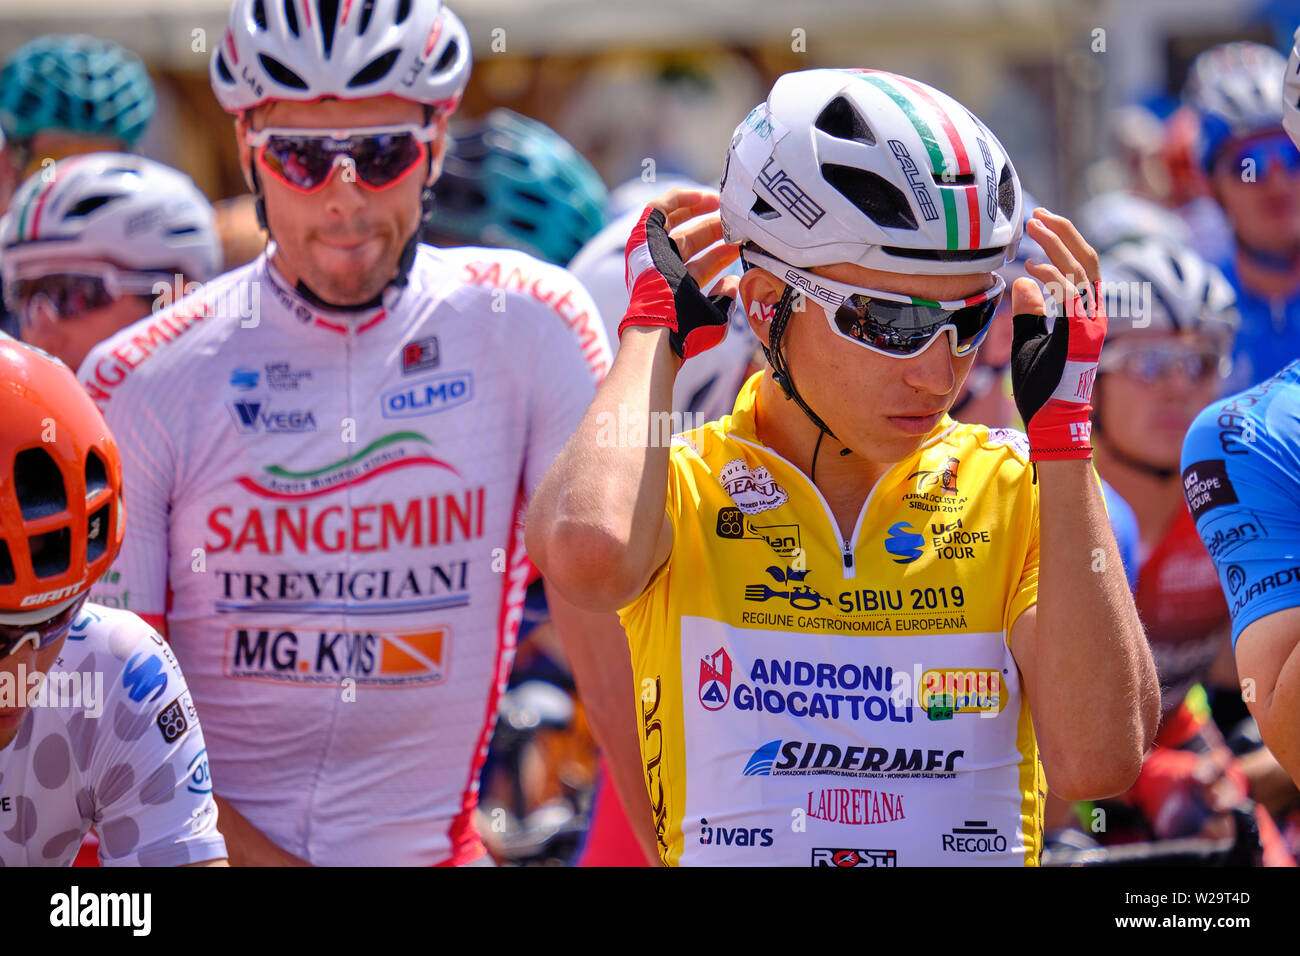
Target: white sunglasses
[891, 323]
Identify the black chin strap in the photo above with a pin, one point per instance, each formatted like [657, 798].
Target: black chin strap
[1163, 473]
[1273, 261]
[781, 374]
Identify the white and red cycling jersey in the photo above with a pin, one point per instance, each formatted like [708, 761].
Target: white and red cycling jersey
[324, 505]
[110, 740]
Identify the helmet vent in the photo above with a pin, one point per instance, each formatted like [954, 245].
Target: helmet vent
[878, 199]
[763, 209]
[7, 575]
[39, 484]
[841, 120]
[945, 255]
[327, 11]
[88, 205]
[281, 73]
[51, 552]
[403, 11]
[223, 69]
[367, 11]
[97, 534]
[96, 475]
[448, 57]
[954, 179]
[375, 70]
[291, 17]
[259, 14]
[1178, 269]
[1007, 193]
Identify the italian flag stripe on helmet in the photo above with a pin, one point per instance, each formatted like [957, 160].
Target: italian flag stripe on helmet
[36, 205]
[933, 147]
[963, 160]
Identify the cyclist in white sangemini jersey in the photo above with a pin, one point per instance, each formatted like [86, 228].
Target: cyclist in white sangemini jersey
[326, 450]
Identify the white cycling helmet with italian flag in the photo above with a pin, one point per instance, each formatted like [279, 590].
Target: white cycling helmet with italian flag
[870, 168]
[1291, 92]
[349, 49]
[116, 207]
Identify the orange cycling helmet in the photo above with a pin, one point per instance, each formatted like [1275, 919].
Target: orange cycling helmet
[61, 514]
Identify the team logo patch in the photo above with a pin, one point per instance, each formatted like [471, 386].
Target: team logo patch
[752, 489]
[326, 658]
[831, 856]
[715, 680]
[419, 355]
[904, 543]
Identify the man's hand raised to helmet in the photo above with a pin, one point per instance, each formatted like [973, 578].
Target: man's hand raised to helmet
[665, 277]
[1052, 373]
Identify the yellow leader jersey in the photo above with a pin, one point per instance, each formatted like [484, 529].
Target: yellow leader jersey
[811, 701]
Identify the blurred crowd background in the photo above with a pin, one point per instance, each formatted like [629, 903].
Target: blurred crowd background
[1077, 90]
[1087, 96]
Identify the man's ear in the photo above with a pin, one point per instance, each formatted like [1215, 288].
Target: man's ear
[437, 151]
[760, 291]
[245, 151]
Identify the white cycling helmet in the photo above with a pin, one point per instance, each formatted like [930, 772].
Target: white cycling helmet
[1291, 92]
[1160, 285]
[706, 386]
[307, 49]
[871, 168]
[125, 209]
[1118, 216]
[1236, 89]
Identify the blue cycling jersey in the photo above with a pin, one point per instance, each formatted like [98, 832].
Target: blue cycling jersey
[1268, 338]
[1241, 476]
[1124, 525]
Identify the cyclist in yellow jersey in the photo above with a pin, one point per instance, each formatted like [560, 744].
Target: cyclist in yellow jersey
[842, 651]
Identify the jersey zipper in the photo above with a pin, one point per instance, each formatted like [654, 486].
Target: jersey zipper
[848, 546]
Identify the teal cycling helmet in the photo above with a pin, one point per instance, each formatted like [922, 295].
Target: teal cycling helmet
[511, 181]
[77, 84]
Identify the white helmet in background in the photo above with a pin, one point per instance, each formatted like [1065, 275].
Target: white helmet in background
[707, 385]
[307, 49]
[874, 169]
[1115, 217]
[1291, 92]
[1236, 90]
[1168, 287]
[118, 207]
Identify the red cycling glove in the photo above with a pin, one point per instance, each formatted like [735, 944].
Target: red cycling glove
[664, 294]
[1052, 377]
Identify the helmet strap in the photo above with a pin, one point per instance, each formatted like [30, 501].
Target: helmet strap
[781, 374]
[404, 261]
[1283, 262]
[1163, 473]
[1160, 472]
[259, 201]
